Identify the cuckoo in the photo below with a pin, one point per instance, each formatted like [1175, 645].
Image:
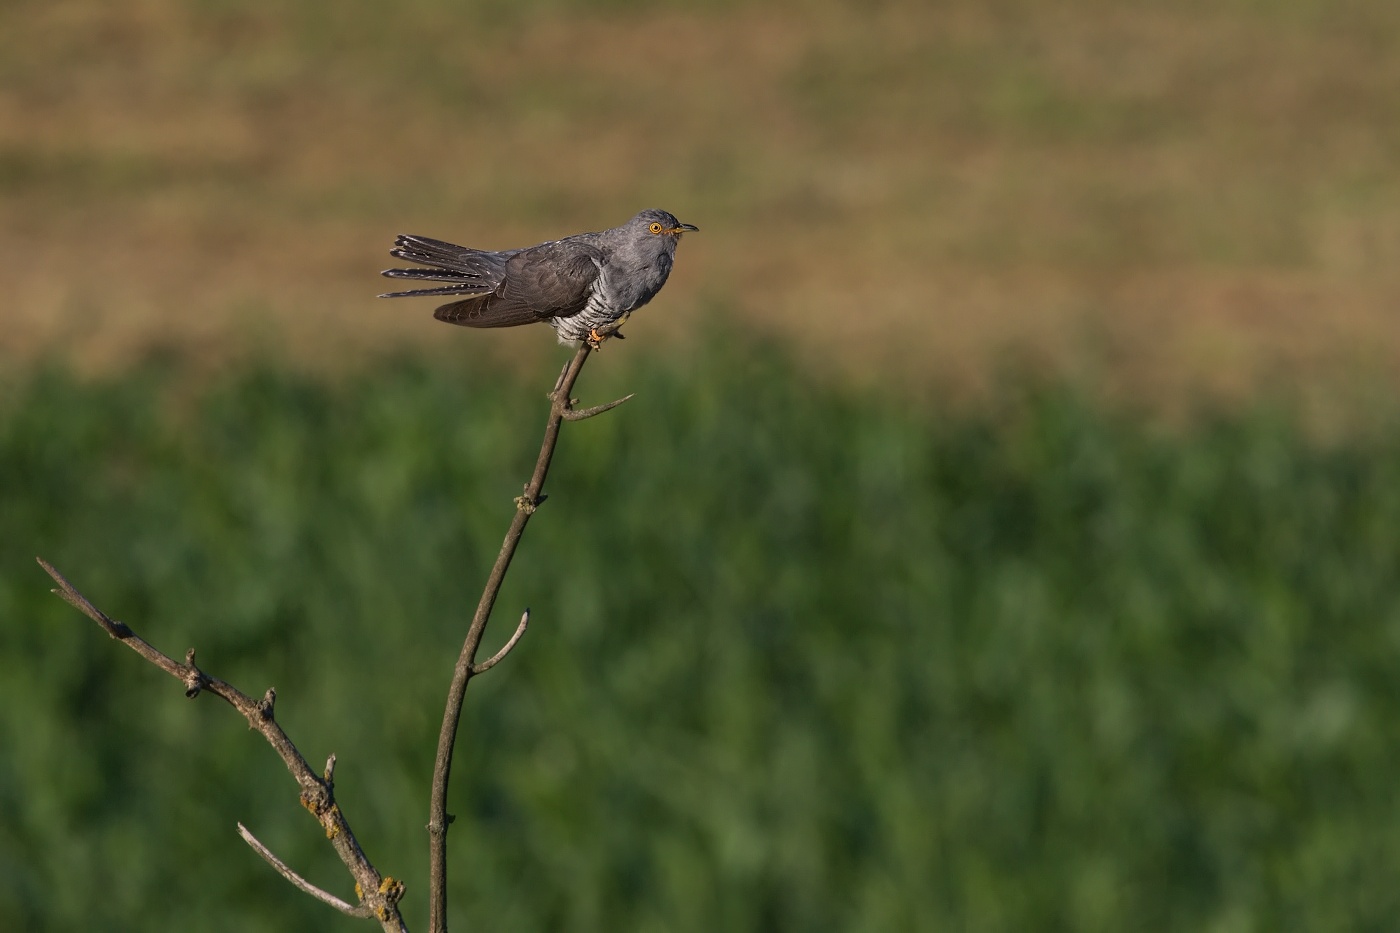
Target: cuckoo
[584, 286]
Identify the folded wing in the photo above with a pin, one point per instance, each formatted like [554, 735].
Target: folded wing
[544, 281]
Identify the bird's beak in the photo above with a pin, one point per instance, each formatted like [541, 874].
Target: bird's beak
[682, 228]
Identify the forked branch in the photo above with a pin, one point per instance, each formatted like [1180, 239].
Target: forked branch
[379, 894]
[560, 410]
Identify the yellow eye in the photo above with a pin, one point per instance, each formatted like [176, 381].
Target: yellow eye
[656, 227]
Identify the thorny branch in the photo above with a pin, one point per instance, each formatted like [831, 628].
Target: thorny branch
[561, 409]
[379, 894]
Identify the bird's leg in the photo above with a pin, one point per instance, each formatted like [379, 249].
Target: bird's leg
[596, 336]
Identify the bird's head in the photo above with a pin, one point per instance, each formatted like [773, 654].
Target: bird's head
[659, 223]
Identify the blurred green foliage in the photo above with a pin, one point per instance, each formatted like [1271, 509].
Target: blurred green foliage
[800, 659]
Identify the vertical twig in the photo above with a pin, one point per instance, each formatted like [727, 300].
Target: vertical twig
[561, 410]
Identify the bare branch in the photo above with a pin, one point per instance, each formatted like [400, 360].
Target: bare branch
[381, 893]
[79, 601]
[499, 656]
[363, 910]
[571, 414]
[561, 410]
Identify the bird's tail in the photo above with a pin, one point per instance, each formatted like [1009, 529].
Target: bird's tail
[471, 271]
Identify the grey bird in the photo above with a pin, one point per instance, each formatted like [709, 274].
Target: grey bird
[584, 286]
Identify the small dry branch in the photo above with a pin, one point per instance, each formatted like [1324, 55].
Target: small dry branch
[379, 894]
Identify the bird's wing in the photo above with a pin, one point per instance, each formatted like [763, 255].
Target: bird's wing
[541, 282]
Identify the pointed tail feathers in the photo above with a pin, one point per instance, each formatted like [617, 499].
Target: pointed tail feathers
[440, 290]
[471, 271]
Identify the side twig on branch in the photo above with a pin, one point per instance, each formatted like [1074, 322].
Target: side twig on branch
[379, 894]
[561, 409]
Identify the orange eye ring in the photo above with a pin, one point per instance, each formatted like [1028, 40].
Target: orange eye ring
[656, 227]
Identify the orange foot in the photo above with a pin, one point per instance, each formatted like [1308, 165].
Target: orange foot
[595, 339]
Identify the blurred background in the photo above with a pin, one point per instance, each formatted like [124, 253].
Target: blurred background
[1003, 536]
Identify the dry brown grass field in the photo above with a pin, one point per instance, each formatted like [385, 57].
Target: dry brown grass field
[1163, 199]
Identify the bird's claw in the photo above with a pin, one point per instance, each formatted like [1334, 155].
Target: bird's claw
[595, 339]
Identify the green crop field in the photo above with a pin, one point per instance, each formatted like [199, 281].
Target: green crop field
[800, 659]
